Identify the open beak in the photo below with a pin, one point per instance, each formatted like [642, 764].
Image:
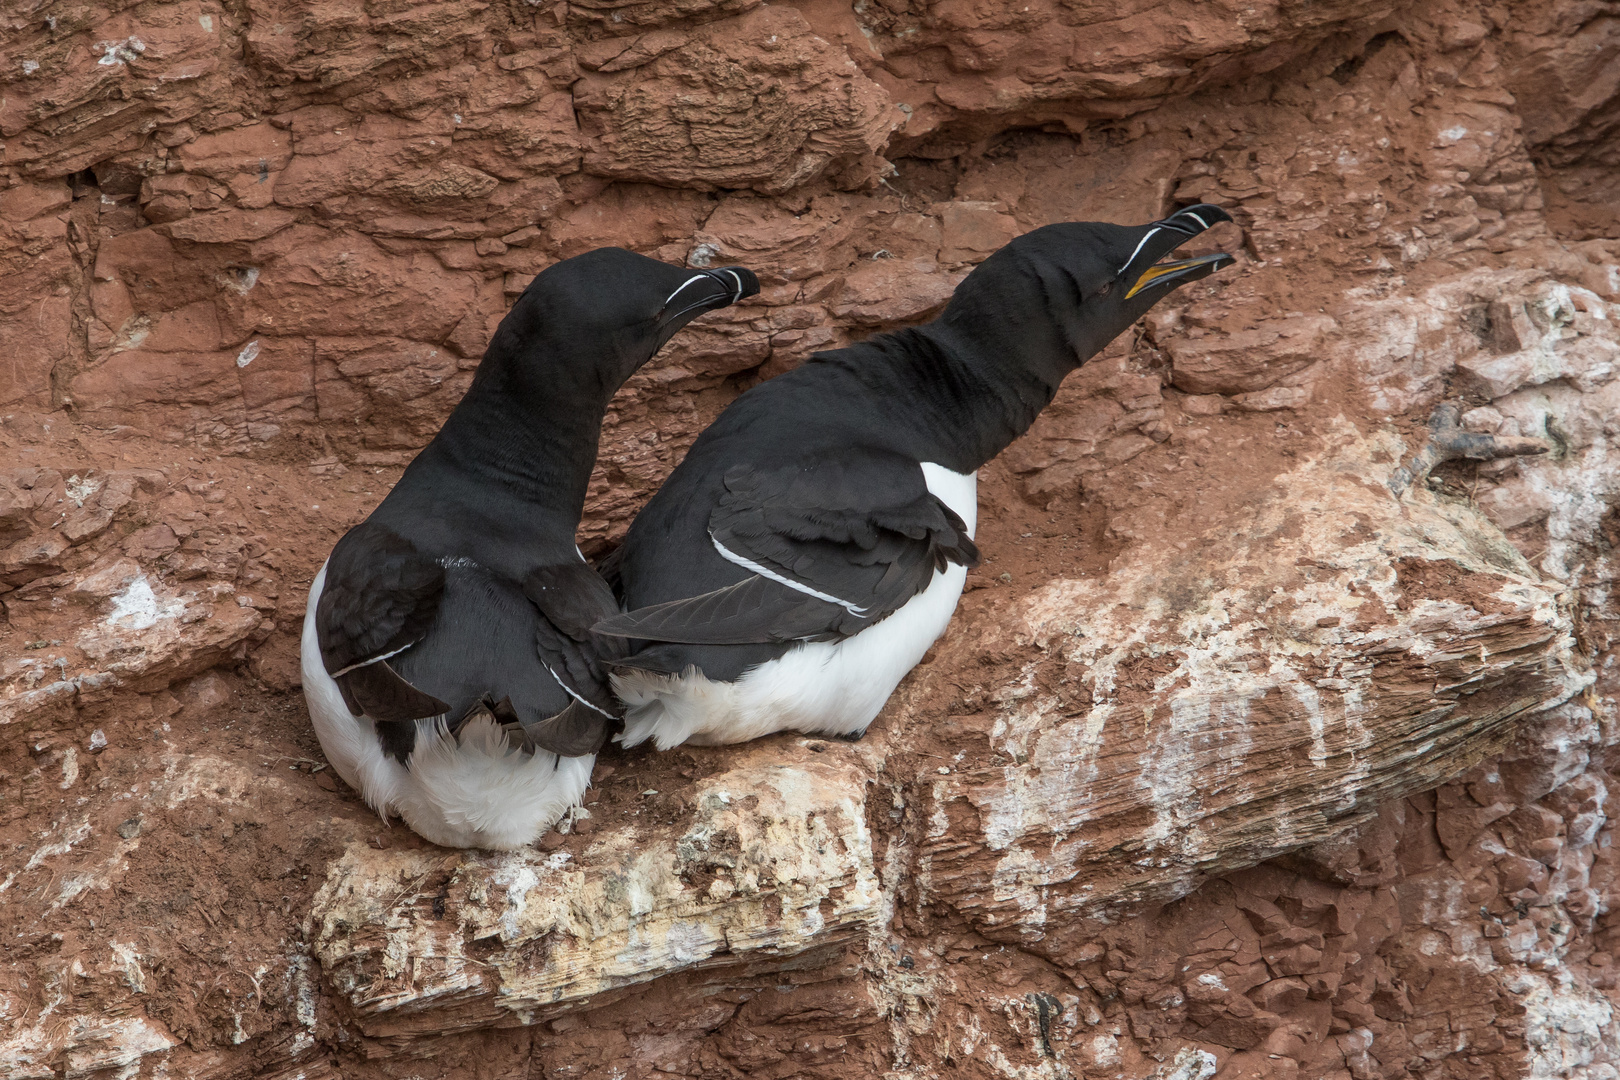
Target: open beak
[1164, 237]
[1180, 270]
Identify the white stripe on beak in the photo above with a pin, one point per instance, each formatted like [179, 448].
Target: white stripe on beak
[684, 284]
[1138, 250]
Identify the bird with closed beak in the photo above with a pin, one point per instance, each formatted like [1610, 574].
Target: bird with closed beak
[447, 657]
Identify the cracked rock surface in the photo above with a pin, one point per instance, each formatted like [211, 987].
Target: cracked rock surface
[1232, 764]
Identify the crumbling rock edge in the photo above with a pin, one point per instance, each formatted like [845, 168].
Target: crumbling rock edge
[776, 862]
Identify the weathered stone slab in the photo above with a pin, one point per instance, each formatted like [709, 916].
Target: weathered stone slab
[776, 862]
[1217, 699]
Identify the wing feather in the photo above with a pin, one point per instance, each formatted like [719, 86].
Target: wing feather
[837, 542]
[380, 597]
[571, 599]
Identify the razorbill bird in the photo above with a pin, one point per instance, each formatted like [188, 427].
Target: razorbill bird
[447, 657]
[815, 540]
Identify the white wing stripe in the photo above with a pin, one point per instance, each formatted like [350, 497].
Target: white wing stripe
[569, 690]
[746, 564]
[372, 660]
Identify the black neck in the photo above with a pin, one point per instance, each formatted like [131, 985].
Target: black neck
[527, 428]
[958, 404]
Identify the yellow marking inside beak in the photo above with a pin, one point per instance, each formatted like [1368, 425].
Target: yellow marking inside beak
[1175, 269]
[1158, 270]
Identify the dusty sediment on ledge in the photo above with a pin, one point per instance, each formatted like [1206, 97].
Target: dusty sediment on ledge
[1233, 763]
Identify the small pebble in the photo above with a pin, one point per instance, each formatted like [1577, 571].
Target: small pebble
[130, 829]
[551, 841]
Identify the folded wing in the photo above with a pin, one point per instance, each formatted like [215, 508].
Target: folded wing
[571, 598]
[380, 597]
[834, 543]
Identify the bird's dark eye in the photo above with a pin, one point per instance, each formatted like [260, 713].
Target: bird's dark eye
[1107, 287]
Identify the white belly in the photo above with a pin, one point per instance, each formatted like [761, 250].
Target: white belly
[818, 687]
[472, 789]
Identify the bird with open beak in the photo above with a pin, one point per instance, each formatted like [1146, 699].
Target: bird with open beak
[814, 542]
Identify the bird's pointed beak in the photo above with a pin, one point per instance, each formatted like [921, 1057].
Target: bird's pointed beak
[707, 290]
[1180, 270]
[1164, 237]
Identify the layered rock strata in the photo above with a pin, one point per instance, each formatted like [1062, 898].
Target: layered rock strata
[1235, 761]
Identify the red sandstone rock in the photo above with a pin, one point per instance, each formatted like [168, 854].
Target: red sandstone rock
[761, 102]
[1231, 761]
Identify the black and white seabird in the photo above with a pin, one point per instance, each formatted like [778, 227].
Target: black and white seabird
[815, 540]
[447, 657]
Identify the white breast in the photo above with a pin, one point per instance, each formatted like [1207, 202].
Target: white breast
[471, 789]
[818, 687]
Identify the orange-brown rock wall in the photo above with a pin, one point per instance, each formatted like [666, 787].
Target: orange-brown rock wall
[1234, 763]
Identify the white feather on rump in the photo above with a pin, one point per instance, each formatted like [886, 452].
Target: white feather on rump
[472, 789]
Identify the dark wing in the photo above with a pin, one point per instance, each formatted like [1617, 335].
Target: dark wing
[836, 542]
[380, 597]
[571, 598]
[755, 609]
[576, 731]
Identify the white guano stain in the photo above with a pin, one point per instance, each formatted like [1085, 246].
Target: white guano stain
[127, 957]
[138, 607]
[1566, 1025]
[79, 489]
[61, 846]
[303, 995]
[117, 53]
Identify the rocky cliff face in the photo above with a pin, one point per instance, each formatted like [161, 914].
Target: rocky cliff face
[1244, 757]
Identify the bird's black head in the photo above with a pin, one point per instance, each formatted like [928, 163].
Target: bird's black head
[1063, 292]
[592, 320]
